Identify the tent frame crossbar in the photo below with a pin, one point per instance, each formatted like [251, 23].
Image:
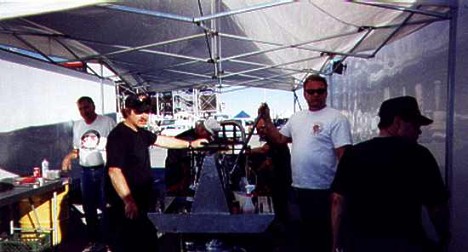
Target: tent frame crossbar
[195, 20]
[213, 36]
[404, 9]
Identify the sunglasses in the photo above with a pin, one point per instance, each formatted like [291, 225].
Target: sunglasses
[319, 91]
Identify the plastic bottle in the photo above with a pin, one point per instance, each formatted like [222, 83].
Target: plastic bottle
[248, 206]
[45, 168]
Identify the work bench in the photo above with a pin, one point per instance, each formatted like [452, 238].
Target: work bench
[27, 198]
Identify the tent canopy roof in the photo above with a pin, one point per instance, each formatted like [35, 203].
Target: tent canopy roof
[168, 45]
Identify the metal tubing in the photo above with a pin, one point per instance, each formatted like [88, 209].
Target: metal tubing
[449, 142]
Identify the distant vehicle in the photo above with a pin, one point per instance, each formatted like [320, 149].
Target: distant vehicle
[174, 130]
[163, 124]
[220, 117]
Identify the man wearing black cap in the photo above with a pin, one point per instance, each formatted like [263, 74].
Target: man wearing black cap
[129, 187]
[178, 168]
[382, 184]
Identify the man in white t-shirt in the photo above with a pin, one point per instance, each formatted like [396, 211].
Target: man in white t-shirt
[89, 142]
[318, 138]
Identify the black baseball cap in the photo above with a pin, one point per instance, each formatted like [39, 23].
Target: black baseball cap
[140, 103]
[405, 106]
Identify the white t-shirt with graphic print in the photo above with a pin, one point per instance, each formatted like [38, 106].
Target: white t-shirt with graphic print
[315, 136]
[91, 139]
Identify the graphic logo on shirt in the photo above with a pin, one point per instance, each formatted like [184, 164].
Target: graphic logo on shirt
[90, 139]
[317, 127]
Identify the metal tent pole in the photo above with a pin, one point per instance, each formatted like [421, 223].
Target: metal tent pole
[102, 87]
[450, 104]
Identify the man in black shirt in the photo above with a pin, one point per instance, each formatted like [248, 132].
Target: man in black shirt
[129, 178]
[382, 184]
[178, 170]
[274, 164]
[277, 160]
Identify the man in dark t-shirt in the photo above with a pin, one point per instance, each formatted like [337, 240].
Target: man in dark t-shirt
[382, 184]
[178, 164]
[276, 159]
[129, 179]
[272, 164]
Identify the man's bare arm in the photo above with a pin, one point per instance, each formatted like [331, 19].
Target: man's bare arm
[121, 187]
[67, 160]
[340, 151]
[337, 207]
[272, 133]
[175, 143]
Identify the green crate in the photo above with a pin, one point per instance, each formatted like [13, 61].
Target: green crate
[26, 242]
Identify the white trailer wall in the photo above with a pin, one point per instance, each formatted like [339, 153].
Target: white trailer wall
[38, 102]
[35, 93]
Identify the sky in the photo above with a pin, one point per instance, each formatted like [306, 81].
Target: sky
[281, 103]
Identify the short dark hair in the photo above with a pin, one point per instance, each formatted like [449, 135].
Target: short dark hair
[315, 77]
[125, 112]
[85, 99]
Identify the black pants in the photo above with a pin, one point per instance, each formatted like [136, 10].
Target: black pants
[131, 235]
[315, 223]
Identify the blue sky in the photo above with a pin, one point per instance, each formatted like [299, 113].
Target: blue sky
[281, 103]
[249, 99]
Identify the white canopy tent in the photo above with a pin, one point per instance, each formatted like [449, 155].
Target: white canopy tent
[168, 45]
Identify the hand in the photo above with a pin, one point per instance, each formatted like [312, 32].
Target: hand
[264, 111]
[199, 143]
[131, 209]
[66, 163]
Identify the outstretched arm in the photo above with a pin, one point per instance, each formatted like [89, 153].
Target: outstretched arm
[170, 142]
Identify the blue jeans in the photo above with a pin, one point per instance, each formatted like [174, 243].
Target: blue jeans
[92, 194]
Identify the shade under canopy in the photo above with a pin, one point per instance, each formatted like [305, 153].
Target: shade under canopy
[168, 45]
